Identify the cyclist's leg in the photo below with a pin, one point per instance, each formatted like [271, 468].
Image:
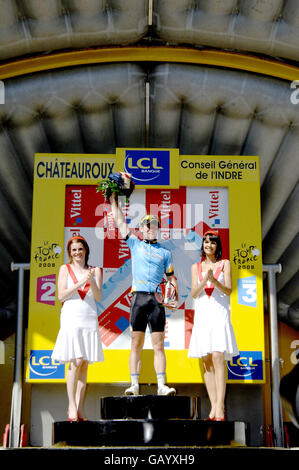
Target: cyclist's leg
[157, 338]
[157, 322]
[137, 341]
[138, 323]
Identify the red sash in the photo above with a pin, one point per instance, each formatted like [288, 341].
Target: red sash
[209, 290]
[81, 292]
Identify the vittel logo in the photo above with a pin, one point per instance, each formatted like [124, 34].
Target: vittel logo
[165, 214]
[76, 205]
[214, 208]
[123, 249]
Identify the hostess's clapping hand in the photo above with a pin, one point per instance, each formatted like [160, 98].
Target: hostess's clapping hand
[210, 275]
[90, 275]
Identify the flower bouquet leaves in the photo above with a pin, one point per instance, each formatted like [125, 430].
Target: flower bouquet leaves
[120, 183]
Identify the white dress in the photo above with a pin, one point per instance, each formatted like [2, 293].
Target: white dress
[212, 328]
[79, 334]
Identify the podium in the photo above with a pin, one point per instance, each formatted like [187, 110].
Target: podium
[149, 420]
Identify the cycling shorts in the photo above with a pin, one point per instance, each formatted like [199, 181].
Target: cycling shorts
[146, 310]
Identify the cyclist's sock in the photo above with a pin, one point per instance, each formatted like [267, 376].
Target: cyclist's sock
[161, 379]
[134, 379]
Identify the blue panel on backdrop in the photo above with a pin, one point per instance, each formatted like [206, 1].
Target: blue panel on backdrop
[42, 366]
[248, 366]
[148, 167]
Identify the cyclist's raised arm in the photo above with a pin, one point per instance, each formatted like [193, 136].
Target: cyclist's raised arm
[119, 217]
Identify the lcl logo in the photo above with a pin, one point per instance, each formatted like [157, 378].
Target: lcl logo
[248, 365]
[144, 163]
[148, 166]
[42, 366]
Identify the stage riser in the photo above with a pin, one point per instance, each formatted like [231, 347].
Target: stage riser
[149, 420]
[144, 432]
[149, 407]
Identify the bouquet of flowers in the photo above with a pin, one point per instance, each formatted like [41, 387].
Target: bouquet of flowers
[119, 183]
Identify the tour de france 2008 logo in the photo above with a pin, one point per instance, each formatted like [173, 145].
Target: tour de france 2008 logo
[47, 254]
[150, 167]
[245, 257]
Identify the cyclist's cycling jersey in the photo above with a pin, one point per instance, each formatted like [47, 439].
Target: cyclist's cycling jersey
[149, 263]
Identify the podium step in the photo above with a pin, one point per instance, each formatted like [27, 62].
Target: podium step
[170, 432]
[149, 420]
[149, 407]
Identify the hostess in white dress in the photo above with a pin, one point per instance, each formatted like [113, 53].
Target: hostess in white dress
[212, 329]
[79, 334]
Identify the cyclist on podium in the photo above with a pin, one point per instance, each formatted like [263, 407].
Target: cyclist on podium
[150, 261]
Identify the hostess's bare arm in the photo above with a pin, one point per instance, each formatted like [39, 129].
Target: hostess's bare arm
[65, 292]
[95, 280]
[119, 217]
[226, 288]
[196, 287]
[93, 276]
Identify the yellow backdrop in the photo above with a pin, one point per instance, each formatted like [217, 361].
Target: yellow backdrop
[189, 180]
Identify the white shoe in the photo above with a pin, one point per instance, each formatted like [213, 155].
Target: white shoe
[133, 390]
[165, 390]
